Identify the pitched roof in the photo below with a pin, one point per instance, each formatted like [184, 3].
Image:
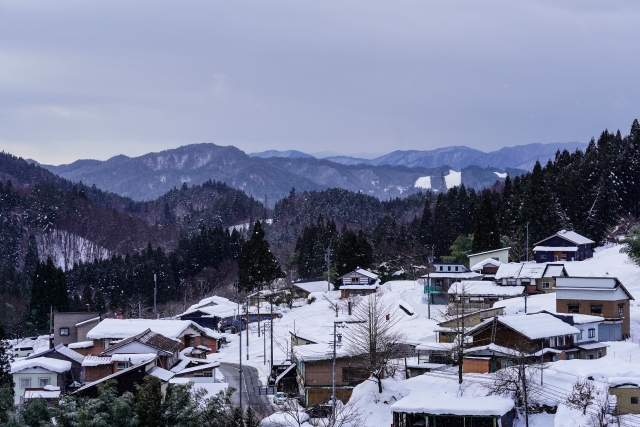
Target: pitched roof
[478, 287]
[108, 377]
[320, 286]
[528, 270]
[538, 325]
[53, 365]
[125, 328]
[489, 252]
[362, 272]
[150, 338]
[65, 351]
[480, 265]
[571, 236]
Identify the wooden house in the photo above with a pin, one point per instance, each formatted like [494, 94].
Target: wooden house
[212, 312]
[448, 330]
[564, 246]
[604, 297]
[473, 295]
[111, 331]
[627, 392]
[165, 348]
[359, 276]
[527, 333]
[68, 379]
[314, 366]
[437, 283]
[536, 278]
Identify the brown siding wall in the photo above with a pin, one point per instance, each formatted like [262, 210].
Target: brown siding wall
[511, 339]
[94, 373]
[478, 366]
[320, 396]
[321, 373]
[609, 310]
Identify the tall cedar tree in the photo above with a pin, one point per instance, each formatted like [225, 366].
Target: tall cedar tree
[6, 379]
[257, 266]
[148, 403]
[49, 292]
[486, 233]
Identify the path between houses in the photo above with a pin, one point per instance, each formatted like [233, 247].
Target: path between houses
[260, 403]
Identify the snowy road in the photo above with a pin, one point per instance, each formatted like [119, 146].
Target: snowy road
[260, 403]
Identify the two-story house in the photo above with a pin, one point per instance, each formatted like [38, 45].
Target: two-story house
[564, 246]
[604, 297]
[70, 327]
[36, 374]
[536, 278]
[74, 376]
[437, 283]
[314, 365]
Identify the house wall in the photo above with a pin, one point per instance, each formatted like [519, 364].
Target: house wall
[584, 251]
[346, 293]
[75, 374]
[624, 396]
[474, 319]
[207, 322]
[511, 339]
[34, 374]
[320, 396]
[585, 332]
[318, 378]
[609, 311]
[550, 289]
[296, 341]
[501, 255]
[69, 320]
[94, 373]
[476, 365]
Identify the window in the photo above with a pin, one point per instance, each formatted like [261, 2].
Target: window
[546, 285]
[107, 343]
[634, 400]
[123, 365]
[449, 268]
[561, 340]
[590, 357]
[456, 268]
[543, 257]
[580, 335]
[620, 310]
[596, 309]
[203, 342]
[552, 342]
[64, 332]
[592, 333]
[555, 258]
[511, 281]
[42, 382]
[25, 382]
[441, 268]
[570, 356]
[573, 308]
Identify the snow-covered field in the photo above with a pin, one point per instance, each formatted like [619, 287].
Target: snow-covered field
[315, 321]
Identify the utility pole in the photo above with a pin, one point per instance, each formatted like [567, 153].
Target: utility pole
[527, 254]
[524, 389]
[429, 284]
[239, 323]
[328, 258]
[542, 365]
[333, 384]
[271, 332]
[155, 293]
[248, 330]
[525, 300]
[264, 350]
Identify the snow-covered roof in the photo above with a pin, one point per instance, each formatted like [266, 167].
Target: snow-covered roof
[591, 345]
[161, 373]
[212, 365]
[528, 270]
[477, 287]
[92, 360]
[532, 270]
[81, 344]
[480, 265]
[554, 270]
[571, 236]
[620, 381]
[539, 325]
[555, 249]
[60, 348]
[453, 275]
[108, 377]
[53, 365]
[134, 358]
[492, 348]
[360, 287]
[212, 300]
[436, 346]
[125, 328]
[489, 252]
[440, 396]
[313, 352]
[320, 286]
[581, 319]
[84, 322]
[362, 272]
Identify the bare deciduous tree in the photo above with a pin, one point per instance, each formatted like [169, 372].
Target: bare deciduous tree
[582, 395]
[375, 341]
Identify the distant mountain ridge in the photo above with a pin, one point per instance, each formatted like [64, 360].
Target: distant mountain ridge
[149, 176]
[459, 157]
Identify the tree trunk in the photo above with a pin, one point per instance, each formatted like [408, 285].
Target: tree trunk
[379, 379]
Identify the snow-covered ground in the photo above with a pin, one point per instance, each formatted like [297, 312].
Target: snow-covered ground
[315, 321]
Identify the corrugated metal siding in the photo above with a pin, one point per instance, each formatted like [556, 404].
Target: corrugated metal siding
[609, 332]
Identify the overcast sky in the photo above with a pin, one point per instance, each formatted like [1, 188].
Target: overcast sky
[93, 79]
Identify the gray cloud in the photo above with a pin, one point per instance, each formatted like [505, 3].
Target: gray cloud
[96, 79]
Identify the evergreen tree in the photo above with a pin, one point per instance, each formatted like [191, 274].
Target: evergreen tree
[6, 378]
[250, 418]
[148, 403]
[37, 413]
[257, 266]
[460, 249]
[486, 235]
[346, 257]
